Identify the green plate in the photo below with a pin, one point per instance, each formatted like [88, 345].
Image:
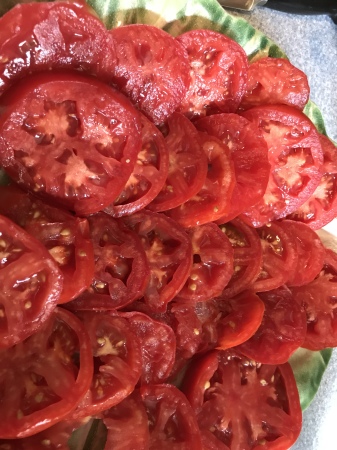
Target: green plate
[175, 17]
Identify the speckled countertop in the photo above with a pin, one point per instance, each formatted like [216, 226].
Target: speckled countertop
[311, 44]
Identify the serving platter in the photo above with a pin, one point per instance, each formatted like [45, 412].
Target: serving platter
[175, 17]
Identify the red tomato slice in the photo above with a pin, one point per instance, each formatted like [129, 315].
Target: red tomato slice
[169, 252]
[148, 176]
[247, 256]
[243, 404]
[296, 159]
[218, 68]
[279, 257]
[273, 81]
[41, 383]
[121, 268]
[31, 284]
[187, 165]
[43, 36]
[69, 138]
[281, 332]
[172, 421]
[318, 300]
[157, 344]
[321, 206]
[214, 198]
[152, 69]
[249, 153]
[117, 362]
[310, 253]
[213, 264]
[130, 414]
[66, 237]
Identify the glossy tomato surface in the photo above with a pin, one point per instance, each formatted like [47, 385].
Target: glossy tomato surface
[69, 138]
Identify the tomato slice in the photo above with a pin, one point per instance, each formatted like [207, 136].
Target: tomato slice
[187, 165]
[243, 404]
[117, 362]
[281, 332]
[76, 140]
[321, 206]
[130, 414]
[273, 81]
[213, 264]
[65, 236]
[172, 421]
[31, 284]
[214, 198]
[249, 153]
[43, 36]
[148, 176]
[152, 69]
[169, 252]
[247, 256]
[279, 257]
[310, 253]
[44, 377]
[218, 68]
[157, 344]
[296, 159]
[121, 272]
[318, 300]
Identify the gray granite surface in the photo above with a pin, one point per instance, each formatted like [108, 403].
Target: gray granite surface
[311, 44]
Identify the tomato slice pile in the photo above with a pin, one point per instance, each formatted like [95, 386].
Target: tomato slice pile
[158, 256]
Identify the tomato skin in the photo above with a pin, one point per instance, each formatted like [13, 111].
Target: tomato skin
[46, 360]
[89, 133]
[151, 68]
[244, 405]
[218, 68]
[37, 37]
[296, 157]
[31, 284]
[282, 330]
[274, 81]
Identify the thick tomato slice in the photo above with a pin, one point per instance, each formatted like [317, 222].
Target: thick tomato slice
[121, 272]
[187, 165]
[43, 378]
[117, 362]
[69, 138]
[273, 81]
[212, 263]
[321, 206]
[296, 159]
[127, 424]
[218, 67]
[279, 257]
[31, 284]
[318, 300]
[249, 153]
[43, 36]
[65, 236]
[148, 176]
[169, 252]
[310, 253]
[282, 330]
[214, 198]
[152, 69]
[243, 405]
[247, 256]
[158, 346]
[172, 421]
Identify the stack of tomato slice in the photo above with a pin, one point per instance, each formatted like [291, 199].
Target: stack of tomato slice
[159, 263]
